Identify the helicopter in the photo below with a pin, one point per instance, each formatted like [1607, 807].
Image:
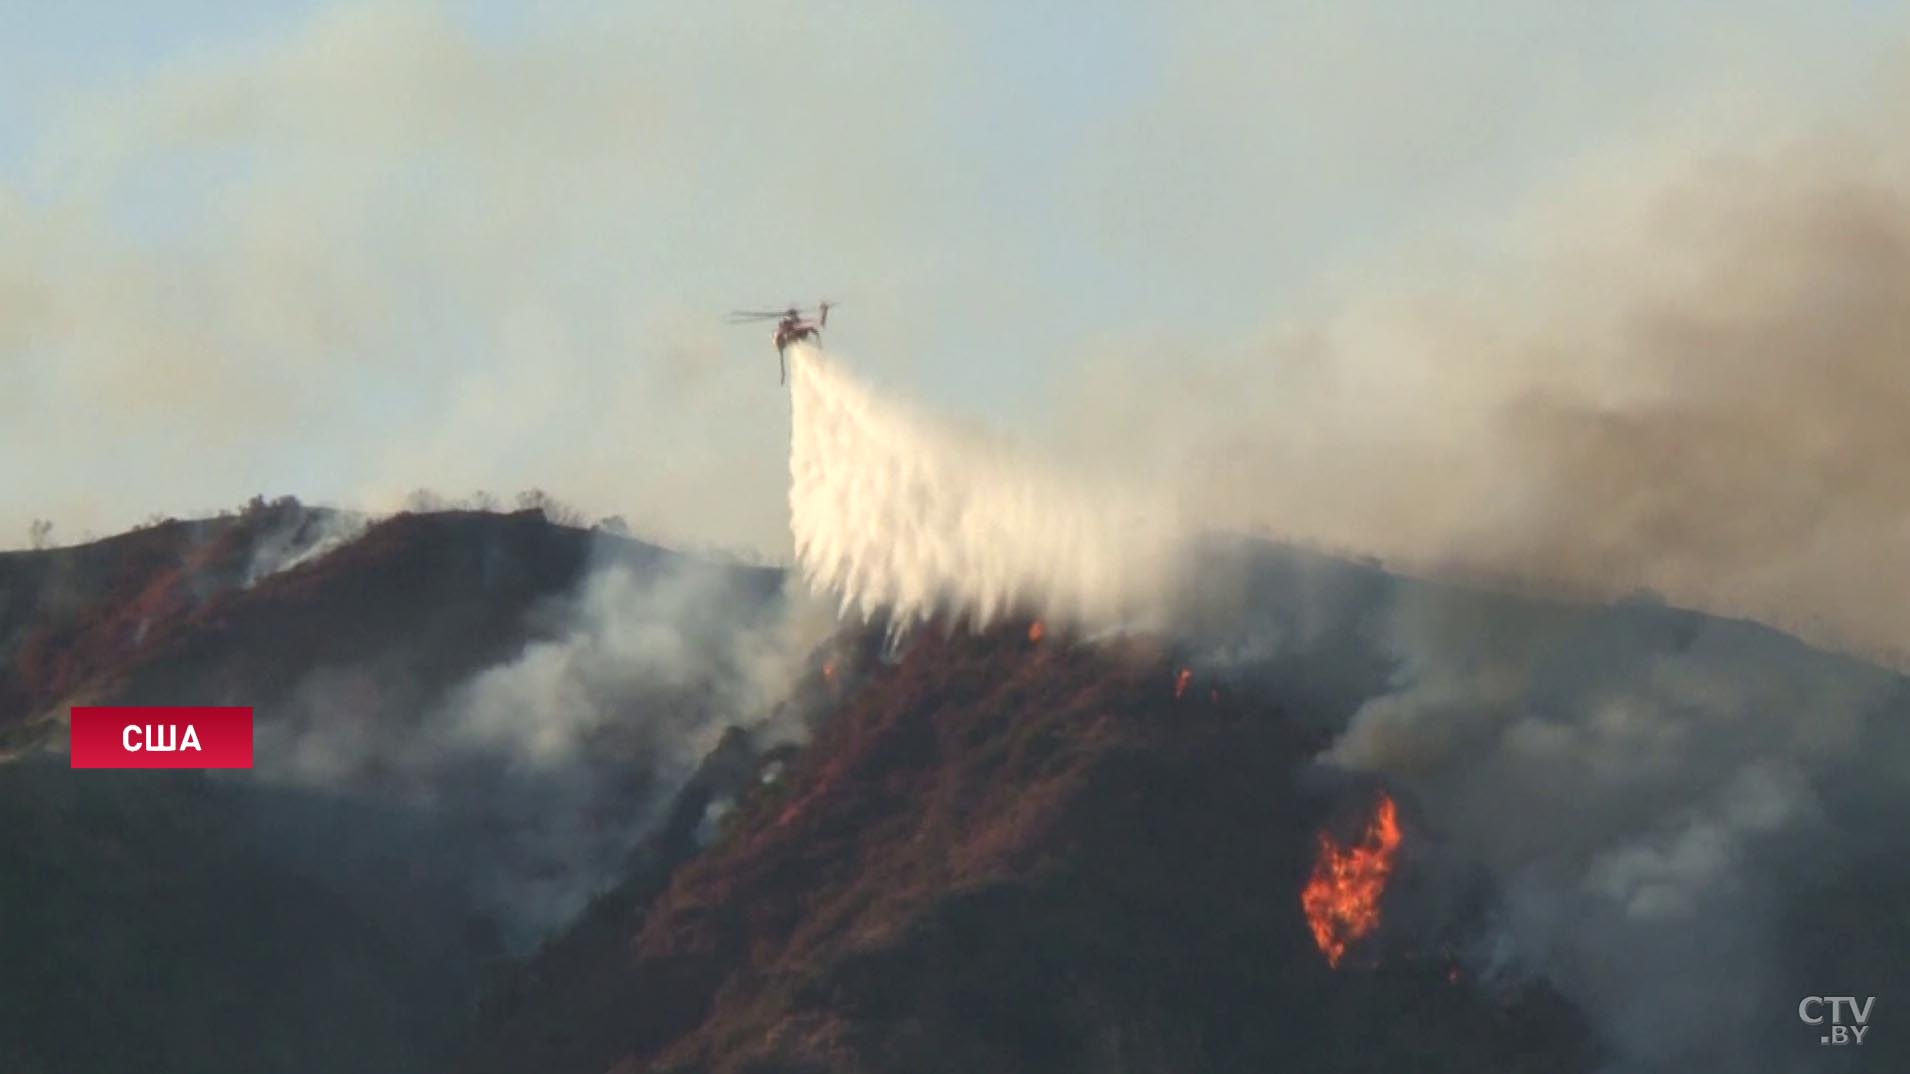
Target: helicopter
[792, 326]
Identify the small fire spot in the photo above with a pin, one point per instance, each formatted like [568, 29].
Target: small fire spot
[1036, 631]
[1180, 682]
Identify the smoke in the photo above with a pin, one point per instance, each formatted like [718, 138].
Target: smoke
[1683, 385]
[1687, 380]
[377, 246]
[1684, 375]
[542, 773]
[899, 514]
[305, 536]
[1687, 383]
[1658, 796]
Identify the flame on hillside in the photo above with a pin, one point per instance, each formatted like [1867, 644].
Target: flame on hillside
[1341, 899]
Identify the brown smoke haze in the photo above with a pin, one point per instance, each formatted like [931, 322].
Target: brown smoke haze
[1690, 376]
[381, 251]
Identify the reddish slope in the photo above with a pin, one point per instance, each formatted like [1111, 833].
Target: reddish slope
[1006, 856]
[69, 615]
[73, 620]
[333, 926]
[162, 616]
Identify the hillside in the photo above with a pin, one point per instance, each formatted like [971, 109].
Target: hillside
[1022, 851]
[160, 614]
[1013, 855]
[340, 907]
[531, 798]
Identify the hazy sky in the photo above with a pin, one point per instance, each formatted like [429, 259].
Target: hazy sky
[345, 250]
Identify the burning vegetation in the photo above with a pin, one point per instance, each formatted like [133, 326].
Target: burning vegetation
[1341, 899]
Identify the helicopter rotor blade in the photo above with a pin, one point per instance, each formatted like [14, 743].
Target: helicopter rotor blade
[750, 316]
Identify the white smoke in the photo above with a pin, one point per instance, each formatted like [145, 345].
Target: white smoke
[548, 768]
[1687, 381]
[1655, 795]
[306, 537]
[895, 512]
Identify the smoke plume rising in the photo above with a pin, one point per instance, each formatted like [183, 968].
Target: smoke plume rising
[1688, 381]
[542, 772]
[1664, 802]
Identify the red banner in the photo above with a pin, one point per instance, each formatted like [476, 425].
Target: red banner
[162, 737]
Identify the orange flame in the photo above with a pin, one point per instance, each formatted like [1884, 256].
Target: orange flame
[1181, 681]
[829, 671]
[1036, 631]
[1342, 898]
